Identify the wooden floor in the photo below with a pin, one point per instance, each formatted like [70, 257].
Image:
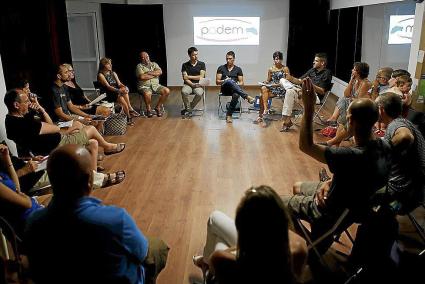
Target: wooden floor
[178, 171]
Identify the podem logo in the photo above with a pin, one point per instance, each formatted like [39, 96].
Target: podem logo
[226, 30]
[401, 29]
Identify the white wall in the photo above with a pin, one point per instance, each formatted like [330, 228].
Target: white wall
[178, 25]
[3, 111]
[254, 60]
[338, 4]
[375, 49]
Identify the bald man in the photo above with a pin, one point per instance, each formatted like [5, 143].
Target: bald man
[359, 171]
[147, 73]
[77, 239]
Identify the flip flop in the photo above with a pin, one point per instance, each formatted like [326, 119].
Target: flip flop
[120, 148]
[119, 177]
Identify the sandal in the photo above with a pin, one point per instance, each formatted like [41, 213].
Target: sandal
[100, 169]
[120, 147]
[158, 112]
[198, 260]
[130, 122]
[258, 120]
[119, 177]
[134, 113]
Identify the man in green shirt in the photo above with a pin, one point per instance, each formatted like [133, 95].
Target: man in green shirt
[147, 74]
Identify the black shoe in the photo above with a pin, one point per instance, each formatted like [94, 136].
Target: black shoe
[149, 114]
[184, 112]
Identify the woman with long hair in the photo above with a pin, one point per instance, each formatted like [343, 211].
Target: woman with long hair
[115, 90]
[266, 250]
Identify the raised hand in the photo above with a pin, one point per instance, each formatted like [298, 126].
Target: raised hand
[308, 95]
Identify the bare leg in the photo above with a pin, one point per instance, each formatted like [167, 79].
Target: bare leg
[261, 112]
[147, 97]
[265, 96]
[335, 115]
[124, 105]
[93, 148]
[341, 135]
[163, 97]
[92, 133]
[127, 100]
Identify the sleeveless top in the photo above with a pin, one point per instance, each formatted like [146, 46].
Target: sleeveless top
[111, 79]
[276, 75]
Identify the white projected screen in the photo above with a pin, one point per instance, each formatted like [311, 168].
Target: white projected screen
[226, 30]
[401, 29]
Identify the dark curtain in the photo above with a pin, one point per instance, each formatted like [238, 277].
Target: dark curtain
[130, 29]
[33, 39]
[308, 33]
[316, 29]
[345, 45]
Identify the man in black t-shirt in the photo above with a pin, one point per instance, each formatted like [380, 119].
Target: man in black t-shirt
[230, 78]
[359, 171]
[192, 71]
[41, 137]
[321, 78]
[61, 107]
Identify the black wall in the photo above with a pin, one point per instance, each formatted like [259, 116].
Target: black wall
[33, 39]
[130, 29]
[314, 28]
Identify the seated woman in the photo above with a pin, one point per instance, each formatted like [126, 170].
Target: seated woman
[273, 88]
[15, 206]
[115, 90]
[358, 87]
[263, 249]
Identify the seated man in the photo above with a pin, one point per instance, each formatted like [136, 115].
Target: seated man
[77, 238]
[358, 171]
[61, 106]
[41, 137]
[381, 83]
[147, 74]
[321, 78]
[230, 78]
[192, 71]
[407, 177]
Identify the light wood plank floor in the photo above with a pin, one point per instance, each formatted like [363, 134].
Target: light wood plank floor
[178, 171]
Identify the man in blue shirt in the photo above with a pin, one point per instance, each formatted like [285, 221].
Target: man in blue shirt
[76, 239]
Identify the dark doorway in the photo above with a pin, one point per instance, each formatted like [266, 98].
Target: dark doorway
[33, 39]
[130, 29]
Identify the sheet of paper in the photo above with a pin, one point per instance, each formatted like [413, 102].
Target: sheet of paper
[98, 99]
[204, 82]
[264, 84]
[42, 164]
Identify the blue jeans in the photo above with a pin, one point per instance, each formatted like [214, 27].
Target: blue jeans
[230, 88]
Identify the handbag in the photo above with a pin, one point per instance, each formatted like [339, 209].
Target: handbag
[115, 124]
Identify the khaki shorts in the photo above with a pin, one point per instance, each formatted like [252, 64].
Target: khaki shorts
[302, 205]
[79, 138]
[155, 89]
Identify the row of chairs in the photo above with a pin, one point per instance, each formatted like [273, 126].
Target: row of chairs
[223, 104]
